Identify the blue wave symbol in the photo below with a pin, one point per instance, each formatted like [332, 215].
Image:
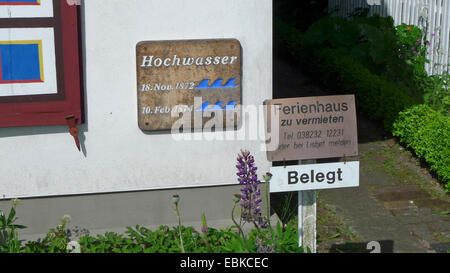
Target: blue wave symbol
[206, 106]
[216, 106]
[230, 105]
[204, 84]
[231, 83]
[217, 84]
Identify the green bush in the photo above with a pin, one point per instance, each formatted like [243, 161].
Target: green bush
[371, 41]
[427, 132]
[437, 93]
[377, 97]
[291, 38]
[300, 13]
[397, 54]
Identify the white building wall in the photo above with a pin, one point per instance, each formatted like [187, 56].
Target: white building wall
[118, 156]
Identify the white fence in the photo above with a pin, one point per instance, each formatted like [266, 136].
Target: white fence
[433, 15]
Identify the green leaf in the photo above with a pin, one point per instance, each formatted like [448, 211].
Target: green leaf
[335, 236]
[19, 226]
[3, 222]
[279, 230]
[12, 213]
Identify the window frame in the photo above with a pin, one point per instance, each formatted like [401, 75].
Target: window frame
[50, 109]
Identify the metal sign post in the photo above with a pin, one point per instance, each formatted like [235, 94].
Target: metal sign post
[307, 208]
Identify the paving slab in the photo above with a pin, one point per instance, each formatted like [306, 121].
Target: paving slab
[375, 178]
[440, 226]
[416, 216]
[400, 205]
[400, 192]
[441, 247]
[433, 204]
[368, 218]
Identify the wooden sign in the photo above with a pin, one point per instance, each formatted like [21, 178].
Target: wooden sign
[314, 177]
[314, 127]
[189, 77]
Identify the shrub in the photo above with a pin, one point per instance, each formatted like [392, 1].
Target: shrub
[371, 41]
[166, 240]
[300, 13]
[427, 132]
[397, 54]
[437, 93]
[291, 38]
[377, 97]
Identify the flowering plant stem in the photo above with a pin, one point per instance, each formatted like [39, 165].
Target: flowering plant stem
[14, 244]
[176, 200]
[237, 225]
[268, 203]
[204, 230]
[206, 241]
[179, 229]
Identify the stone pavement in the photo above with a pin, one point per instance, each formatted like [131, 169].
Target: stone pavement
[398, 203]
[394, 204]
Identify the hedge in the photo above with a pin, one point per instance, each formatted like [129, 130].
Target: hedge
[377, 98]
[427, 132]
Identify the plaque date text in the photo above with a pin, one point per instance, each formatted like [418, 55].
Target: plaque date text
[168, 87]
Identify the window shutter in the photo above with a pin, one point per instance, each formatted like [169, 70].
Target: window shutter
[40, 72]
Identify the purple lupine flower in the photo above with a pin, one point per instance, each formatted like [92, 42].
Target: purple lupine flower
[250, 193]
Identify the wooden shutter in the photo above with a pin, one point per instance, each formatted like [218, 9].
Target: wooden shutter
[40, 75]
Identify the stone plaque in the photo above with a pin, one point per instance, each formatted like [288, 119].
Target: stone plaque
[190, 80]
[315, 127]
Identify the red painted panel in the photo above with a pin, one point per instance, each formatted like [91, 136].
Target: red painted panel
[47, 109]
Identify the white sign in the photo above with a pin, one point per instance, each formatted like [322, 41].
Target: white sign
[315, 177]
